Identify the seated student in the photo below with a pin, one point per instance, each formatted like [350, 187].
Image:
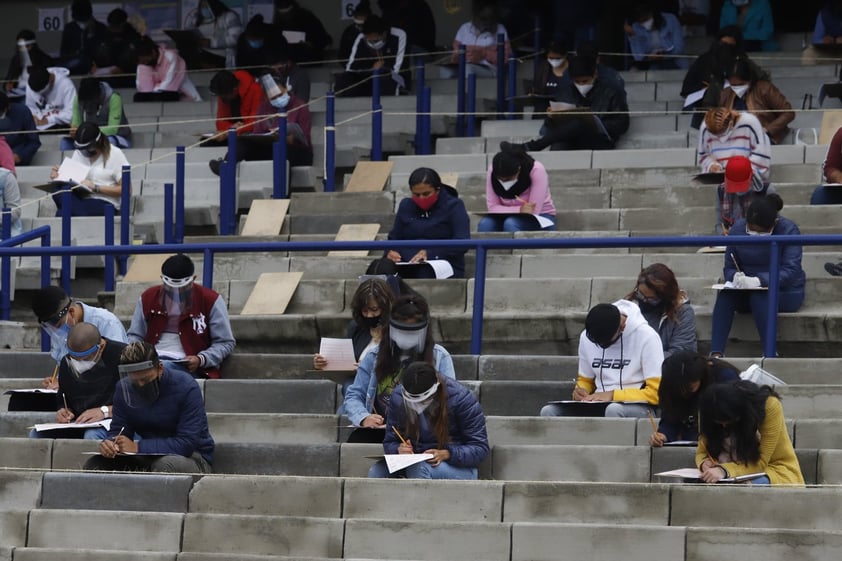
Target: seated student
[552, 76]
[352, 31]
[286, 71]
[517, 189]
[7, 157]
[87, 378]
[219, 27]
[10, 198]
[571, 129]
[49, 96]
[57, 313]
[652, 34]
[377, 47]
[828, 28]
[742, 431]
[17, 118]
[274, 99]
[755, 20]
[97, 102]
[407, 339]
[480, 39]
[116, 59]
[81, 38]
[27, 54]
[257, 42]
[416, 18]
[164, 407]
[607, 74]
[747, 267]
[832, 173]
[620, 358]
[238, 98]
[432, 414]
[187, 323]
[104, 181]
[666, 308]
[683, 376]
[746, 91]
[162, 74]
[290, 16]
[433, 212]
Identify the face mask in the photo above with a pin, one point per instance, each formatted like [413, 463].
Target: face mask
[255, 43]
[507, 184]
[280, 102]
[408, 340]
[79, 367]
[740, 91]
[654, 301]
[648, 24]
[149, 392]
[376, 45]
[584, 89]
[206, 13]
[420, 406]
[284, 11]
[555, 62]
[753, 233]
[371, 323]
[359, 23]
[82, 25]
[426, 203]
[88, 152]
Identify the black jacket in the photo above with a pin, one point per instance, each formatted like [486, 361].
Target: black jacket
[602, 97]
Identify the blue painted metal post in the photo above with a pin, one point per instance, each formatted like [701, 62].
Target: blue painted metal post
[6, 264]
[330, 142]
[460, 91]
[537, 60]
[46, 277]
[376, 119]
[169, 213]
[428, 120]
[279, 160]
[770, 338]
[512, 91]
[501, 74]
[207, 269]
[472, 106]
[228, 187]
[419, 106]
[125, 217]
[179, 193]
[65, 236]
[109, 242]
[479, 302]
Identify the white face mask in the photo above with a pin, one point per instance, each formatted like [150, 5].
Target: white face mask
[555, 62]
[648, 24]
[740, 91]
[584, 89]
[79, 367]
[408, 340]
[376, 45]
[508, 184]
[420, 406]
[753, 233]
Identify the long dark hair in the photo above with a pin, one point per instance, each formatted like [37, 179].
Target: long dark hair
[678, 372]
[661, 280]
[422, 375]
[412, 308]
[507, 163]
[741, 407]
[377, 290]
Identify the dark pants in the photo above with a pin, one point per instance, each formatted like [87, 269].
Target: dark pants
[260, 148]
[160, 464]
[82, 206]
[571, 133]
[367, 436]
[157, 96]
[826, 196]
[359, 84]
[728, 302]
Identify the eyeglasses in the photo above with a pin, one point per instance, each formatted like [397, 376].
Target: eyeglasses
[651, 300]
[56, 319]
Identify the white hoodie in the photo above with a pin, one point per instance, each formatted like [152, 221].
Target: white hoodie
[57, 103]
[631, 367]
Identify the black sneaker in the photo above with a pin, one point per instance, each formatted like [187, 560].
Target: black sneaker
[506, 146]
[215, 164]
[834, 269]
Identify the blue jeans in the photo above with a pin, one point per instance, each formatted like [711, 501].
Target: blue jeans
[424, 470]
[728, 302]
[80, 206]
[613, 410]
[826, 196]
[513, 223]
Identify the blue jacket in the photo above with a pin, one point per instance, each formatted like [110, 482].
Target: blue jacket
[19, 118]
[754, 260]
[757, 25]
[173, 424]
[446, 220]
[360, 395]
[670, 40]
[468, 444]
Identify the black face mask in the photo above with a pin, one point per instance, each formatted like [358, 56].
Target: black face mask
[371, 323]
[149, 392]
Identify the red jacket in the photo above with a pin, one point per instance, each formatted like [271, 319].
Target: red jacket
[251, 95]
[194, 327]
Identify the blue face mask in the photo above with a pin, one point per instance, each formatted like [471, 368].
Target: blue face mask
[255, 43]
[280, 102]
[207, 14]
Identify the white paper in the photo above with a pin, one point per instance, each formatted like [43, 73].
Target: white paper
[72, 171]
[442, 267]
[106, 423]
[685, 473]
[694, 97]
[397, 462]
[681, 443]
[561, 106]
[339, 353]
[730, 286]
[34, 390]
[294, 37]
[542, 221]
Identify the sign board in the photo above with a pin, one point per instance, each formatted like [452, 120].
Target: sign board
[50, 19]
[348, 7]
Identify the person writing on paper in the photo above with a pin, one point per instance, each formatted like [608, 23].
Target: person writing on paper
[306, 34]
[162, 74]
[10, 198]
[683, 376]
[187, 323]
[164, 407]
[552, 76]
[747, 91]
[57, 313]
[653, 34]
[81, 38]
[408, 338]
[433, 212]
[666, 308]
[16, 119]
[27, 54]
[620, 360]
[742, 431]
[479, 36]
[99, 103]
[219, 27]
[238, 98]
[377, 47]
[49, 96]
[747, 269]
[103, 183]
[436, 415]
[87, 378]
[517, 192]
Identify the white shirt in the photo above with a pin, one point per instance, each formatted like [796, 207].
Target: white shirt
[104, 173]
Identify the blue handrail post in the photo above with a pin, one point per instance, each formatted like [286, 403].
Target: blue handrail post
[472, 105]
[65, 236]
[125, 214]
[536, 45]
[376, 118]
[279, 160]
[330, 142]
[769, 339]
[419, 106]
[109, 242]
[6, 264]
[460, 91]
[479, 301]
[179, 193]
[169, 211]
[228, 187]
[46, 277]
[207, 269]
[512, 92]
[501, 74]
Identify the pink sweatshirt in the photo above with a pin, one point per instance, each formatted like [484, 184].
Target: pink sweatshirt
[538, 193]
[168, 75]
[7, 157]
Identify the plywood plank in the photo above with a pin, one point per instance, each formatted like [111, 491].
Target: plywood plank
[146, 267]
[271, 294]
[265, 217]
[831, 121]
[369, 176]
[355, 233]
[450, 178]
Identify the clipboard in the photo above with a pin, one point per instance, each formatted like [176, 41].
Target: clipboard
[710, 178]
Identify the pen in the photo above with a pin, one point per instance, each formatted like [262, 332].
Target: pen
[119, 433]
[64, 398]
[403, 440]
[734, 259]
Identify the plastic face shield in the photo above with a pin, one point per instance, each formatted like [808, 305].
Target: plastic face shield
[176, 295]
[57, 326]
[139, 382]
[410, 337]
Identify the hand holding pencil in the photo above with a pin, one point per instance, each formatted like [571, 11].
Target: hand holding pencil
[526, 207]
[657, 439]
[405, 446]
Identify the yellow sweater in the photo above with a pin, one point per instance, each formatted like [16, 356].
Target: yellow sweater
[777, 456]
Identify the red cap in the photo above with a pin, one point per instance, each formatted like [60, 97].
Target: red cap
[738, 175]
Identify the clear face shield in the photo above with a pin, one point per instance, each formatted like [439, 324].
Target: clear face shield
[139, 382]
[57, 326]
[81, 362]
[176, 296]
[418, 403]
[408, 337]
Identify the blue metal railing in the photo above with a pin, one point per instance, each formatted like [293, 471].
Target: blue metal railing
[481, 246]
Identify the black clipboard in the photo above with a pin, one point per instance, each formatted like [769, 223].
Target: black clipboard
[710, 178]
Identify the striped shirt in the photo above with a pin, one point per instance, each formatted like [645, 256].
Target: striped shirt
[745, 138]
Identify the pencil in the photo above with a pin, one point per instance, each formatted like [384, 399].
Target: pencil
[399, 434]
[734, 259]
[652, 421]
[55, 373]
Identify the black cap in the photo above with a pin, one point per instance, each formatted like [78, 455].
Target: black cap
[418, 377]
[48, 302]
[178, 267]
[87, 135]
[39, 78]
[602, 324]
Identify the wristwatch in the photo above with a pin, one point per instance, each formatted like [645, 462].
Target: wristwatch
[104, 410]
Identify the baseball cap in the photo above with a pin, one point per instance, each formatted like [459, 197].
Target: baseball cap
[738, 174]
